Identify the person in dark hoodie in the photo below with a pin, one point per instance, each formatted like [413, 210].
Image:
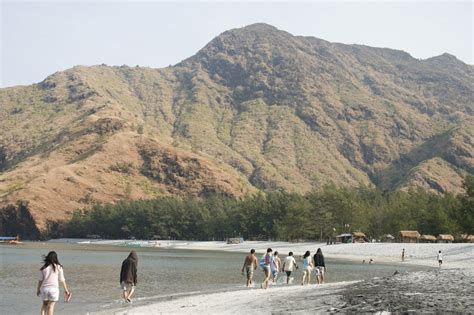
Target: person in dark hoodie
[319, 265]
[128, 276]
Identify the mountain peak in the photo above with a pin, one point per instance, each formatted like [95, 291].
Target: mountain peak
[257, 27]
[242, 41]
[252, 32]
[445, 58]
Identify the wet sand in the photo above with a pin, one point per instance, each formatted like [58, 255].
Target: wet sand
[445, 290]
[434, 291]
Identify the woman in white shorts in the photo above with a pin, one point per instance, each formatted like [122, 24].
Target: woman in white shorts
[48, 285]
[307, 268]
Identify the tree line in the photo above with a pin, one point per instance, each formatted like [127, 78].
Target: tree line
[281, 215]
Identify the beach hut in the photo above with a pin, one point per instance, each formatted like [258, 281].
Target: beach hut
[445, 238]
[426, 238]
[409, 236]
[465, 238]
[344, 238]
[235, 240]
[358, 237]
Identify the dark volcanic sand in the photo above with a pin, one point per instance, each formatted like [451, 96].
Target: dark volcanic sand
[435, 291]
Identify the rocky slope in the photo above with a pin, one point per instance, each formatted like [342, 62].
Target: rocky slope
[255, 109]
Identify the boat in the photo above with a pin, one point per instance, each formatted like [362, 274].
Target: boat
[10, 240]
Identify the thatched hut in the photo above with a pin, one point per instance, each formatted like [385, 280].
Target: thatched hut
[358, 237]
[465, 238]
[426, 238]
[445, 238]
[409, 236]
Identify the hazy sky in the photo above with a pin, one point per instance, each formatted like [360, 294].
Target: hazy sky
[39, 38]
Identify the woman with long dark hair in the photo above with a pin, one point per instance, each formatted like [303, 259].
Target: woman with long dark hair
[319, 265]
[48, 285]
[307, 268]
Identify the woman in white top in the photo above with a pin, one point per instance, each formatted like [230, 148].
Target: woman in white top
[48, 285]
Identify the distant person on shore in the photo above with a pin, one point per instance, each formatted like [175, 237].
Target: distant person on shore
[319, 265]
[275, 266]
[48, 285]
[440, 259]
[371, 261]
[250, 264]
[403, 255]
[288, 265]
[266, 268]
[307, 268]
[128, 276]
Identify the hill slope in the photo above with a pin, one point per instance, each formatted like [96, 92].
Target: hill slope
[255, 109]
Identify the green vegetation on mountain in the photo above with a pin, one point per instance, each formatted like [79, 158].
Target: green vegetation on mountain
[256, 109]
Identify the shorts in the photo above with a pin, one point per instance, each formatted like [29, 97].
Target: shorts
[320, 270]
[126, 285]
[49, 294]
[267, 268]
[275, 273]
[288, 273]
[440, 261]
[249, 270]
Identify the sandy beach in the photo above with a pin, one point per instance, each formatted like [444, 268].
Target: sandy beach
[435, 290]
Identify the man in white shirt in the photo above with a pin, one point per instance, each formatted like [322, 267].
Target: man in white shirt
[288, 265]
[440, 259]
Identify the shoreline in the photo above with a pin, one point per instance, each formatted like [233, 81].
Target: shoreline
[427, 290]
[457, 255]
[431, 291]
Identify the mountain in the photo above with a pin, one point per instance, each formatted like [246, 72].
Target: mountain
[255, 109]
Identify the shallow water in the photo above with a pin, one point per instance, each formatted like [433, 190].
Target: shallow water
[92, 273]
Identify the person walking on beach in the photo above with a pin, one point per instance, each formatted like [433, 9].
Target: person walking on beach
[288, 265]
[440, 259]
[403, 255]
[48, 285]
[128, 276]
[275, 266]
[319, 265]
[307, 268]
[250, 264]
[266, 268]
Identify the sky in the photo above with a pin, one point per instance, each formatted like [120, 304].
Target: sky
[39, 38]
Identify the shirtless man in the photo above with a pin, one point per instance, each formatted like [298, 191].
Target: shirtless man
[250, 264]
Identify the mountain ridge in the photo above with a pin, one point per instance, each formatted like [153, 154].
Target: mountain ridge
[255, 109]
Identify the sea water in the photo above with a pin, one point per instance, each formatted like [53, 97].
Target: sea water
[92, 274]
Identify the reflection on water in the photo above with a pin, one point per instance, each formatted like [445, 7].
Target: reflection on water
[92, 273]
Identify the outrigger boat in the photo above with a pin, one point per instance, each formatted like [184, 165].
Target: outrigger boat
[10, 240]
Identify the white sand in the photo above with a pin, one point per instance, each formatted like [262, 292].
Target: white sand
[455, 255]
[292, 299]
[458, 255]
